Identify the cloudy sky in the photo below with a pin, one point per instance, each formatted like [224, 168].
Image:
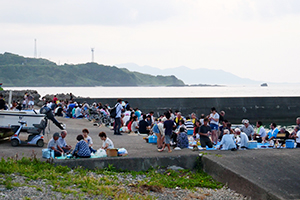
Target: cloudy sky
[256, 39]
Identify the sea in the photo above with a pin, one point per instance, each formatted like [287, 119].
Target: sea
[278, 90]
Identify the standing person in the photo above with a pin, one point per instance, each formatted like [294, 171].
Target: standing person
[247, 128]
[2, 103]
[168, 125]
[30, 101]
[119, 109]
[71, 97]
[204, 132]
[214, 124]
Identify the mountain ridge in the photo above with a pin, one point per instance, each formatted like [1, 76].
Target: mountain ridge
[17, 71]
[192, 76]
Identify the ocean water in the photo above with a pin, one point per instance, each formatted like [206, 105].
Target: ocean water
[283, 90]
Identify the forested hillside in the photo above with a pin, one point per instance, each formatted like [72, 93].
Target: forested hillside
[17, 71]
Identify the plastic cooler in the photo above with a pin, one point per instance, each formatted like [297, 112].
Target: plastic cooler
[252, 144]
[152, 139]
[289, 144]
[190, 131]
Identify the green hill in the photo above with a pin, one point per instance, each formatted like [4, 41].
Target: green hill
[20, 71]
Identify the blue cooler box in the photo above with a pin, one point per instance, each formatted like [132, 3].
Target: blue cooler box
[290, 144]
[190, 131]
[152, 139]
[252, 144]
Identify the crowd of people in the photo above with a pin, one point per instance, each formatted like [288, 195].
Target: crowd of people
[170, 128]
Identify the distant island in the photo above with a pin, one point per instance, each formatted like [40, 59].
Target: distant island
[19, 71]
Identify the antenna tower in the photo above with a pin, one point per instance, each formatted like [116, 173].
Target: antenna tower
[35, 51]
[92, 49]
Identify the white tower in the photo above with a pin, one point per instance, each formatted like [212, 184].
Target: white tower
[35, 50]
[92, 49]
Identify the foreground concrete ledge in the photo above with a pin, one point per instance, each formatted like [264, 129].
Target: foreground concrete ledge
[133, 163]
[236, 181]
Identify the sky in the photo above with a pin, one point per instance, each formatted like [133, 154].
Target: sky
[256, 39]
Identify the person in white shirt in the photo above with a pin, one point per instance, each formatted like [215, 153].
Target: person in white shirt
[62, 142]
[260, 134]
[88, 139]
[244, 138]
[107, 143]
[214, 124]
[227, 142]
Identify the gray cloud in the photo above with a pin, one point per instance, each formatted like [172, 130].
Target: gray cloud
[80, 12]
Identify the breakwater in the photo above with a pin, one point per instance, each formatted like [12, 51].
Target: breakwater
[282, 110]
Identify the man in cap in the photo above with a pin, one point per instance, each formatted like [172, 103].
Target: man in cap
[247, 128]
[53, 145]
[244, 138]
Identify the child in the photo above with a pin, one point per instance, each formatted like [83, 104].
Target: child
[88, 139]
[107, 143]
[168, 125]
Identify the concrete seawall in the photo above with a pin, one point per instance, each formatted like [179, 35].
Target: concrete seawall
[266, 109]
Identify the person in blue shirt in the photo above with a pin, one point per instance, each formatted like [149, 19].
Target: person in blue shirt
[272, 134]
[82, 149]
[119, 109]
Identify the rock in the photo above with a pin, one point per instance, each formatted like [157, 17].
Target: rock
[175, 168]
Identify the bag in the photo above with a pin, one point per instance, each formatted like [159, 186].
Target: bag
[155, 129]
[113, 112]
[48, 153]
[101, 153]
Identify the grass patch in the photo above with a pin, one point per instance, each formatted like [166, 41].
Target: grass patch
[104, 182]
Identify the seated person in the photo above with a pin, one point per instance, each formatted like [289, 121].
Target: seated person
[59, 111]
[82, 148]
[107, 143]
[182, 139]
[144, 126]
[244, 138]
[53, 144]
[285, 133]
[62, 142]
[196, 130]
[88, 139]
[260, 134]
[227, 142]
[204, 134]
[177, 131]
[189, 123]
[247, 128]
[273, 132]
[296, 135]
[135, 124]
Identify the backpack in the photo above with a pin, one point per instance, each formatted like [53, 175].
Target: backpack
[113, 112]
[155, 129]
